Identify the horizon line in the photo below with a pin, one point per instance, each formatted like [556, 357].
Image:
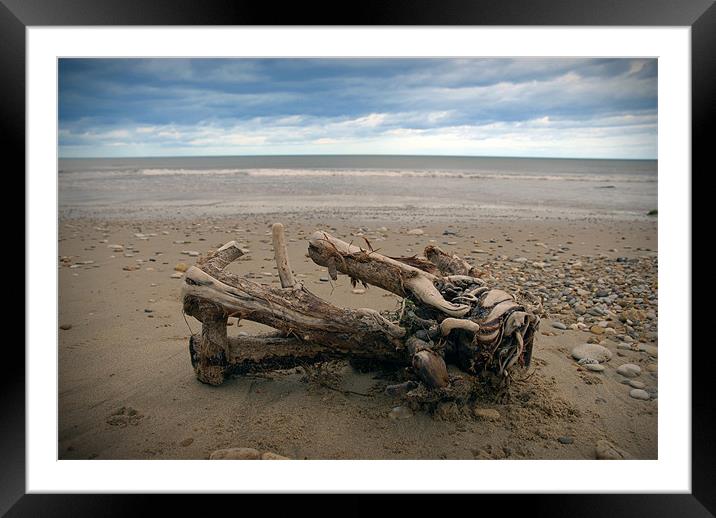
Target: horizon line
[353, 155]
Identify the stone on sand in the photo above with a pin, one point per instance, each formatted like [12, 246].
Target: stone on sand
[416, 232]
[181, 267]
[629, 370]
[235, 454]
[273, 456]
[649, 349]
[594, 367]
[607, 451]
[593, 351]
[640, 394]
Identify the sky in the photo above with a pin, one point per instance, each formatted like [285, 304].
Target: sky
[556, 107]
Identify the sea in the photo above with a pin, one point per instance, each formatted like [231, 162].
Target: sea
[389, 186]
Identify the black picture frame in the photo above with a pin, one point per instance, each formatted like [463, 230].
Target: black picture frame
[700, 15]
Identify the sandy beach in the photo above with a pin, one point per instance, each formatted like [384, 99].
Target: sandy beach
[127, 389]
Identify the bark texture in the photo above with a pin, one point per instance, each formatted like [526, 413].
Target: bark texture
[449, 314]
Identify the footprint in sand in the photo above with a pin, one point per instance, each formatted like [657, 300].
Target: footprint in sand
[124, 416]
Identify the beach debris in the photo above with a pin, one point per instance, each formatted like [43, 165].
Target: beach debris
[447, 313]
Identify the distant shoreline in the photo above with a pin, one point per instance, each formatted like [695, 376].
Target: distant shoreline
[515, 157]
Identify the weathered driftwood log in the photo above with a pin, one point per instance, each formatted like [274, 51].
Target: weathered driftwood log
[448, 314]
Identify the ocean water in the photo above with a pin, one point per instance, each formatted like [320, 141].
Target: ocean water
[388, 185]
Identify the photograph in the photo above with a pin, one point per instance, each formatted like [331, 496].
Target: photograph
[347, 258]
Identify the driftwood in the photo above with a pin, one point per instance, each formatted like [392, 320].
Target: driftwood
[448, 314]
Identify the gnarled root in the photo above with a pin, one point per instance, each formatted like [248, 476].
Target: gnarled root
[448, 313]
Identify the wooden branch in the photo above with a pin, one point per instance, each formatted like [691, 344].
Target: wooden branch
[225, 255]
[281, 255]
[453, 313]
[449, 324]
[376, 269]
[450, 264]
[211, 295]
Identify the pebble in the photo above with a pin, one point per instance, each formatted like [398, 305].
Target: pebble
[640, 394]
[273, 456]
[323, 279]
[559, 325]
[186, 442]
[358, 291]
[400, 412]
[588, 361]
[177, 275]
[594, 367]
[181, 267]
[636, 384]
[593, 351]
[488, 414]
[565, 440]
[607, 451]
[416, 232]
[597, 330]
[236, 454]
[625, 346]
[65, 327]
[629, 370]
[649, 349]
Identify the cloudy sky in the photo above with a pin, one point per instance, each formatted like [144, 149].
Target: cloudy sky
[584, 108]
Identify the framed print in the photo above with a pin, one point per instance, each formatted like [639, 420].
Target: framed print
[445, 240]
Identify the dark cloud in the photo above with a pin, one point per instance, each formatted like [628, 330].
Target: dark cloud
[102, 101]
